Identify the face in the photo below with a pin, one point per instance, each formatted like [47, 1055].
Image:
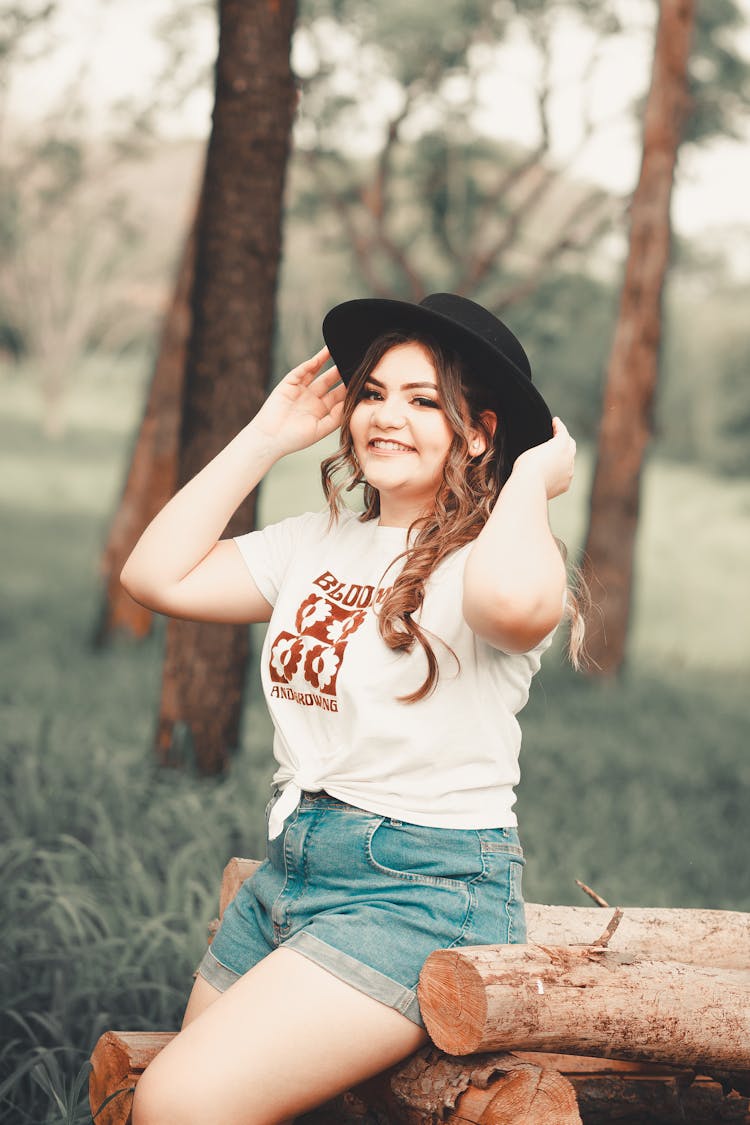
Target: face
[400, 433]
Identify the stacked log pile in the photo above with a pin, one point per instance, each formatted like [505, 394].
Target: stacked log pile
[646, 1021]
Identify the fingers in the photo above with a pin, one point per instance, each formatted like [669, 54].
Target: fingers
[560, 430]
[306, 371]
[308, 377]
[328, 380]
[331, 420]
[336, 393]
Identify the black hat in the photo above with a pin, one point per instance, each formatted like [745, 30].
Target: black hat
[493, 355]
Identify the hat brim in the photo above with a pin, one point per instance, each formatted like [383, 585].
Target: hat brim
[350, 328]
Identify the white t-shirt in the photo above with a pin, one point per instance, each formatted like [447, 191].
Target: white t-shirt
[331, 683]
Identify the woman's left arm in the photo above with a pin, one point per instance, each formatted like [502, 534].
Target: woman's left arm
[515, 575]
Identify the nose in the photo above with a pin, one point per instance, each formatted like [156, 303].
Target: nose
[389, 413]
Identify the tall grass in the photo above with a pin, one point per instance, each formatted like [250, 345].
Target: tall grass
[110, 868]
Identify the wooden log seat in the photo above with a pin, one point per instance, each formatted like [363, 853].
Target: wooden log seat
[645, 1021]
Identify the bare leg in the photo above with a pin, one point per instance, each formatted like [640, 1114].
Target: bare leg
[284, 1039]
[201, 996]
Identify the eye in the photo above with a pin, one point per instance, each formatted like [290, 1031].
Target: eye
[423, 400]
[368, 393]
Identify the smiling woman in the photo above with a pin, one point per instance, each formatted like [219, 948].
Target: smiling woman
[400, 434]
[391, 830]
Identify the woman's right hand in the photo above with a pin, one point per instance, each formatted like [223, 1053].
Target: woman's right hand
[180, 566]
[303, 408]
[553, 459]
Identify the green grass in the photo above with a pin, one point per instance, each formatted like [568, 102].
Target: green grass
[110, 869]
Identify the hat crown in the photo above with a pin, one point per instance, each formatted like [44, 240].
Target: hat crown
[482, 323]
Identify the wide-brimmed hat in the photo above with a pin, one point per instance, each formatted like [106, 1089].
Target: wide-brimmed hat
[492, 353]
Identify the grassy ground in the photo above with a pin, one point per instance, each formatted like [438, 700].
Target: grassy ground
[110, 870]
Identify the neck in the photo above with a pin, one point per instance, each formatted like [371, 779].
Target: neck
[394, 513]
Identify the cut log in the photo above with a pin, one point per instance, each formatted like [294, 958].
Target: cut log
[234, 875]
[586, 1002]
[635, 1092]
[720, 938]
[118, 1061]
[606, 1089]
[431, 1087]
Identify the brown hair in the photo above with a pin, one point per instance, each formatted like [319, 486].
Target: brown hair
[464, 501]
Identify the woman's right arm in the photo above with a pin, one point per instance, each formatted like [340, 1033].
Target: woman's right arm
[179, 566]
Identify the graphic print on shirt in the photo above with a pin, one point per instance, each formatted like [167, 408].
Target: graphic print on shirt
[311, 657]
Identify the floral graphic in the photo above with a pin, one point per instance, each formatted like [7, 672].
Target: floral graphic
[285, 656]
[313, 609]
[321, 665]
[310, 658]
[344, 626]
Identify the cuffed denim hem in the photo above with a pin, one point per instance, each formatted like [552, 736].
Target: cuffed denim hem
[362, 977]
[215, 973]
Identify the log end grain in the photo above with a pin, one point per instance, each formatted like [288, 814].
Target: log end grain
[110, 1075]
[453, 1002]
[536, 1097]
[117, 1062]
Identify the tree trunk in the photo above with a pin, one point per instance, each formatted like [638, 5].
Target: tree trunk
[228, 364]
[152, 475]
[634, 359]
[586, 1002]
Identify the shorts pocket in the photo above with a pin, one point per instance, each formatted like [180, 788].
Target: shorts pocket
[506, 862]
[498, 916]
[514, 908]
[430, 856]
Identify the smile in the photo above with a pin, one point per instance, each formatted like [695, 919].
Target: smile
[392, 446]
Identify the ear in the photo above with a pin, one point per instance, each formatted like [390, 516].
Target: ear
[477, 439]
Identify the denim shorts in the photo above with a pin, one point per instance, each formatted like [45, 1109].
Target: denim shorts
[369, 897]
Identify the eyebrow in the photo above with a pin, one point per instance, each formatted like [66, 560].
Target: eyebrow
[404, 386]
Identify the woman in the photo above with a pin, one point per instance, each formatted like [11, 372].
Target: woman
[402, 643]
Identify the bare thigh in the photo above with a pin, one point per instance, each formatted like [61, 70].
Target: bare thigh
[201, 996]
[284, 1039]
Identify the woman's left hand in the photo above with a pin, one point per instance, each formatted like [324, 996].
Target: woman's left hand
[554, 459]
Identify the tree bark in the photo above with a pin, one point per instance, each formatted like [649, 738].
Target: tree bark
[719, 938]
[228, 364]
[634, 360]
[152, 475]
[586, 1002]
[430, 1088]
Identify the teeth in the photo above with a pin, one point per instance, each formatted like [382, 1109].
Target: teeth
[380, 444]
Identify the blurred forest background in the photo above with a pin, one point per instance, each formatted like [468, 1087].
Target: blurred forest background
[405, 176]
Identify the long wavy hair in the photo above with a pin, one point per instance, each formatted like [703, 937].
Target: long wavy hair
[465, 498]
